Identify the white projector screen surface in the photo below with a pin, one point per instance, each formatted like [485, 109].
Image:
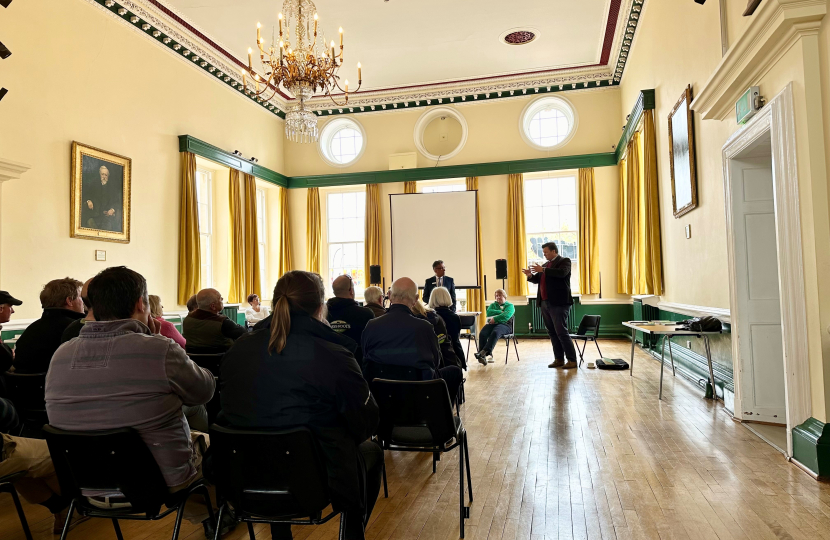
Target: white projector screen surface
[427, 227]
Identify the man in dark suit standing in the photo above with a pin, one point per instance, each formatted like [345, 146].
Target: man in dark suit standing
[555, 300]
[439, 280]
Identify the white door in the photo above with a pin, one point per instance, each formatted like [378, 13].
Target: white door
[756, 263]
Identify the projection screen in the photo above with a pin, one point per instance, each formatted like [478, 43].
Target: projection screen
[430, 226]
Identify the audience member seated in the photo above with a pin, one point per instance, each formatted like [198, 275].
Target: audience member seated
[292, 371]
[7, 303]
[257, 312]
[40, 485]
[62, 304]
[499, 314]
[374, 300]
[448, 356]
[121, 373]
[191, 304]
[166, 328]
[206, 329]
[9, 421]
[402, 339]
[345, 316]
[441, 301]
[74, 328]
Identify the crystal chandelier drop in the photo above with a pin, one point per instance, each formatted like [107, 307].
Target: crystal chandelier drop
[302, 66]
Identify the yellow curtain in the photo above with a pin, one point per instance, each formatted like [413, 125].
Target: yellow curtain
[588, 244]
[650, 257]
[253, 277]
[236, 290]
[475, 297]
[630, 220]
[314, 234]
[410, 187]
[190, 260]
[516, 238]
[624, 281]
[285, 263]
[373, 252]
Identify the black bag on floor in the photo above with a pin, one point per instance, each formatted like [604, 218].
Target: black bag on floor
[702, 324]
[611, 363]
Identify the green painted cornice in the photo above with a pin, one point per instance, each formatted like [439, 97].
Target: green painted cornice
[188, 143]
[645, 102]
[455, 171]
[208, 151]
[811, 446]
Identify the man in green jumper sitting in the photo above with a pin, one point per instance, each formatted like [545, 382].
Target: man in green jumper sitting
[499, 315]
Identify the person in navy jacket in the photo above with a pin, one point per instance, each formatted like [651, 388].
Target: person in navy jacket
[440, 279]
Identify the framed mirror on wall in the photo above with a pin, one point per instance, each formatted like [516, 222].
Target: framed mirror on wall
[682, 156]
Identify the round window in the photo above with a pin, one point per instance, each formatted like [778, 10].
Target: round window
[342, 142]
[548, 123]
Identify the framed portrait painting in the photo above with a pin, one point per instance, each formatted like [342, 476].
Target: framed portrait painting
[682, 156]
[100, 195]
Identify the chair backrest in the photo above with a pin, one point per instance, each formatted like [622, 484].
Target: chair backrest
[27, 392]
[512, 324]
[414, 404]
[113, 460]
[210, 362]
[269, 473]
[589, 325]
[392, 372]
[467, 321]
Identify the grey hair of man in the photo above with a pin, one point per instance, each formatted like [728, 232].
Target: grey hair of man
[373, 295]
[440, 297]
[404, 291]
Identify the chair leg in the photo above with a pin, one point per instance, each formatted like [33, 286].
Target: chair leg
[251, 535]
[180, 511]
[597, 344]
[461, 509]
[434, 459]
[385, 488]
[342, 534]
[20, 514]
[516, 348]
[218, 532]
[68, 520]
[584, 344]
[507, 341]
[117, 528]
[467, 459]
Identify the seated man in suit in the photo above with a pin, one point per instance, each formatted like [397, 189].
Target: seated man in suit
[205, 329]
[399, 338]
[345, 316]
[439, 280]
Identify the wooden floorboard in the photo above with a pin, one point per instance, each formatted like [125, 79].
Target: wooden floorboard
[579, 454]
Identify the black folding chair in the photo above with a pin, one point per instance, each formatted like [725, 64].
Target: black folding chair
[417, 417]
[210, 362]
[588, 331]
[27, 394]
[7, 486]
[271, 477]
[468, 322]
[404, 373]
[511, 337]
[115, 461]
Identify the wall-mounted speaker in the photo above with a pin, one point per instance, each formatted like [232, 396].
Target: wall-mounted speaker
[3, 93]
[374, 274]
[4, 52]
[501, 268]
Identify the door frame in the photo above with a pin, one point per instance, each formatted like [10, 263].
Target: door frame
[778, 119]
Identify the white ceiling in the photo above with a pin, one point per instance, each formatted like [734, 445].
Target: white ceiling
[402, 43]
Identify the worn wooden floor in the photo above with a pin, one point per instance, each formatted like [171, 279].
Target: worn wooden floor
[576, 454]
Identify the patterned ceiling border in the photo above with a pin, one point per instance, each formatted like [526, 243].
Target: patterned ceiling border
[167, 28]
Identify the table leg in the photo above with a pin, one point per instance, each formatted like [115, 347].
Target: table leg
[662, 363]
[674, 371]
[633, 341]
[711, 370]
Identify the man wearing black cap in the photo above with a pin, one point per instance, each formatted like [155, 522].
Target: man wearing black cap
[7, 302]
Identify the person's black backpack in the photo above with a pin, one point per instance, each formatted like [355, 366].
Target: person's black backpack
[702, 324]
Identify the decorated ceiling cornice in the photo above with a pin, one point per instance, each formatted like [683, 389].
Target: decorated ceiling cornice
[170, 30]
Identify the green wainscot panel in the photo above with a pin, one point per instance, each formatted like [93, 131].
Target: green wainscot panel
[811, 446]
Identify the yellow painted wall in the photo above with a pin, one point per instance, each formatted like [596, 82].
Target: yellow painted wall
[77, 73]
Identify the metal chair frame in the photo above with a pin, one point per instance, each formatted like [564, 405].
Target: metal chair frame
[585, 338]
[7, 486]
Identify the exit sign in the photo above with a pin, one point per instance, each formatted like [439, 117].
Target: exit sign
[748, 104]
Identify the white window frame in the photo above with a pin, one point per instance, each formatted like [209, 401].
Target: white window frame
[531, 109]
[532, 287]
[262, 228]
[327, 193]
[205, 237]
[327, 134]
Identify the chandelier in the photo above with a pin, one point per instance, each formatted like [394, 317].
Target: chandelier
[302, 65]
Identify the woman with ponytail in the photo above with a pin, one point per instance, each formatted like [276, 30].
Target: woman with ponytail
[293, 370]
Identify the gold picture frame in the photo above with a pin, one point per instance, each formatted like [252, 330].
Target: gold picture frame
[682, 156]
[100, 195]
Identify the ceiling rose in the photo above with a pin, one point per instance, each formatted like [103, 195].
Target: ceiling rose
[519, 37]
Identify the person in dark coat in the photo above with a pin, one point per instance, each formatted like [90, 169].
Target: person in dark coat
[293, 371]
[373, 297]
[62, 305]
[345, 316]
[399, 338]
[440, 301]
[448, 355]
[440, 279]
[206, 329]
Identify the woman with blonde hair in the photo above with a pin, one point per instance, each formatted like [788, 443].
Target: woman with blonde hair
[441, 301]
[166, 328]
[292, 371]
[448, 354]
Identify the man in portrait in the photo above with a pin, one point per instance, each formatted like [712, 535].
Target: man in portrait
[102, 200]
